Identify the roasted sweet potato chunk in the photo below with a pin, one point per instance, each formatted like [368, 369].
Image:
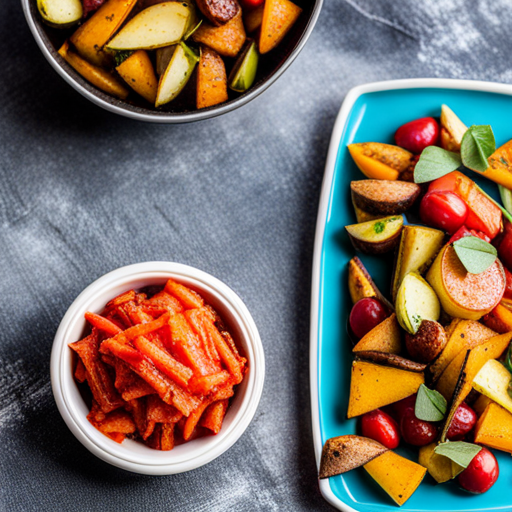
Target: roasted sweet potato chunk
[212, 87]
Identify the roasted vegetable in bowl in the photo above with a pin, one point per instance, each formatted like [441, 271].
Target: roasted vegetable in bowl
[436, 375]
[150, 52]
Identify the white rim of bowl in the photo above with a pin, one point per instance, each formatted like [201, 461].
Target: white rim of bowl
[110, 451]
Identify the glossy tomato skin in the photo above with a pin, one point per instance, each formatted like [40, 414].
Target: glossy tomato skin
[505, 247]
[481, 474]
[508, 286]
[251, 4]
[366, 314]
[464, 231]
[415, 431]
[401, 407]
[381, 427]
[462, 424]
[443, 210]
[416, 135]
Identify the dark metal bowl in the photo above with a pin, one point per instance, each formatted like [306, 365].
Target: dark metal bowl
[272, 66]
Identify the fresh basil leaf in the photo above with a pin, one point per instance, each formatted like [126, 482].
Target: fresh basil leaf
[477, 146]
[475, 254]
[435, 162]
[430, 405]
[460, 452]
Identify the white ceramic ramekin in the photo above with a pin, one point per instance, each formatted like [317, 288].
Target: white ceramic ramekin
[132, 455]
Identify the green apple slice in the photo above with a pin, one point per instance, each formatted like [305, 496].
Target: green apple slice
[159, 25]
[177, 74]
[244, 72]
[60, 13]
[416, 301]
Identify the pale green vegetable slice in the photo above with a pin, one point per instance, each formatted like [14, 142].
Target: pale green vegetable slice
[159, 25]
[416, 301]
[60, 13]
[244, 72]
[177, 74]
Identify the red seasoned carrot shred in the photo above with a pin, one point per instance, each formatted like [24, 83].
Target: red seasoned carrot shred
[163, 361]
[214, 416]
[158, 367]
[98, 377]
[189, 298]
[103, 324]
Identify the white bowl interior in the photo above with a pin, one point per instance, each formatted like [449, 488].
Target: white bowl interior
[133, 455]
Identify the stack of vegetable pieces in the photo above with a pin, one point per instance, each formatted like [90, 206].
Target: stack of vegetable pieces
[120, 42]
[449, 324]
[160, 369]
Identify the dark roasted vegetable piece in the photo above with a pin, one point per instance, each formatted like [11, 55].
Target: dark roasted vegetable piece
[393, 360]
[219, 12]
[427, 343]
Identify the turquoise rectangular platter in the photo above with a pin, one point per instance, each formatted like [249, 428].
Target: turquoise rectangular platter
[372, 113]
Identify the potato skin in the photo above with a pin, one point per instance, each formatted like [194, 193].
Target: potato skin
[427, 343]
[219, 12]
[368, 247]
[392, 360]
[384, 197]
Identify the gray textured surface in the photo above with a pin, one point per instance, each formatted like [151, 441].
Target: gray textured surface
[83, 192]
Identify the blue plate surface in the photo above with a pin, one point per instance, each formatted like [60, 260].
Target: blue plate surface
[374, 117]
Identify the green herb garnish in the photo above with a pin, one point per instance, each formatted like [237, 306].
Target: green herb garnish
[435, 162]
[379, 227]
[460, 452]
[430, 405]
[121, 56]
[477, 146]
[475, 254]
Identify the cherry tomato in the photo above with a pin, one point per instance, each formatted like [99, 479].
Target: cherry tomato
[381, 427]
[505, 247]
[251, 4]
[416, 135]
[481, 474]
[401, 407]
[443, 210]
[366, 314]
[462, 423]
[91, 6]
[464, 231]
[417, 432]
[508, 286]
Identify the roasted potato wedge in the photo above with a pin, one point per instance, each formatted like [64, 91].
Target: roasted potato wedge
[212, 86]
[376, 236]
[384, 197]
[419, 246]
[344, 453]
[452, 129]
[382, 161]
[385, 337]
[278, 18]
[137, 71]
[60, 13]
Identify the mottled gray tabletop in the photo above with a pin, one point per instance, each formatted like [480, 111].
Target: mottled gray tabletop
[83, 192]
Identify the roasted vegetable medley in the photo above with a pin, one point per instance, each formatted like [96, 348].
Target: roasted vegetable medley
[156, 50]
[432, 364]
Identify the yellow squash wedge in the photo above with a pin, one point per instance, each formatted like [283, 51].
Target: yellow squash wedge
[398, 476]
[137, 71]
[278, 18]
[373, 386]
[385, 337]
[494, 428]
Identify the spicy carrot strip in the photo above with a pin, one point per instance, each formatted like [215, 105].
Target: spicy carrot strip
[161, 412]
[213, 416]
[189, 298]
[140, 330]
[195, 319]
[137, 314]
[169, 391]
[102, 323]
[186, 346]
[163, 361]
[137, 390]
[193, 419]
[98, 377]
[160, 303]
[117, 421]
[228, 358]
[138, 410]
[167, 437]
[202, 385]
[121, 299]
[154, 440]
[80, 371]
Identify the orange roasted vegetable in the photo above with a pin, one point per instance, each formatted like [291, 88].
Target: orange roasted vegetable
[212, 82]
[278, 18]
[500, 166]
[102, 79]
[90, 38]
[137, 71]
